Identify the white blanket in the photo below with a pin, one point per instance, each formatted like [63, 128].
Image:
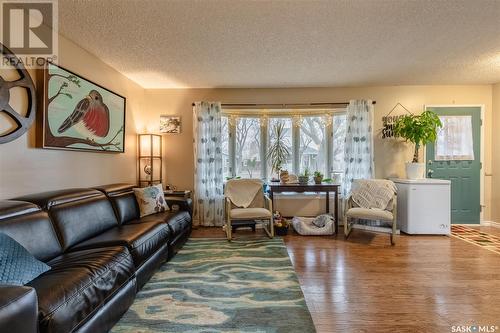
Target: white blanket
[241, 192]
[372, 193]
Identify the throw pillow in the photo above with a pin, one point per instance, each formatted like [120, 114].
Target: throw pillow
[17, 265]
[151, 200]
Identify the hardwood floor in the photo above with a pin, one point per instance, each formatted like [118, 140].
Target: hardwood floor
[422, 284]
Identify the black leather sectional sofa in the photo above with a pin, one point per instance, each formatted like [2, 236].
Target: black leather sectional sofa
[99, 250]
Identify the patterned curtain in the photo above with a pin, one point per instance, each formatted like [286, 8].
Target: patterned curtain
[358, 153]
[208, 183]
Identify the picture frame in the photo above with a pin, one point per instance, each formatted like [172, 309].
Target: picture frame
[79, 114]
[170, 124]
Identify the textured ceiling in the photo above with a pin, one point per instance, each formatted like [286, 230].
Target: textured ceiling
[300, 43]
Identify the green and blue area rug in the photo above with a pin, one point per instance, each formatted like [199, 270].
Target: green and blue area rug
[212, 285]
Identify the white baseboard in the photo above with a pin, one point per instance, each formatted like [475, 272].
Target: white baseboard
[490, 224]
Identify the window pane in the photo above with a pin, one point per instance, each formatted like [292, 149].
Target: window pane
[339, 128]
[248, 160]
[454, 139]
[225, 147]
[312, 149]
[287, 134]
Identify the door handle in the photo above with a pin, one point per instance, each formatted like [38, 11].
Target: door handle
[429, 173]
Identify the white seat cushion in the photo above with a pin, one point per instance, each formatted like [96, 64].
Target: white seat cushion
[250, 213]
[369, 214]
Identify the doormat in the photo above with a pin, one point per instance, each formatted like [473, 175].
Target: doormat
[476, 237]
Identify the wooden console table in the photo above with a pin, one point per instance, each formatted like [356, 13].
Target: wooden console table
[327, 188]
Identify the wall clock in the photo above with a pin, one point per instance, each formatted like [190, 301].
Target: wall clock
[23, 120]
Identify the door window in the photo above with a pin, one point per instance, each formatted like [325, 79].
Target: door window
[454, 141]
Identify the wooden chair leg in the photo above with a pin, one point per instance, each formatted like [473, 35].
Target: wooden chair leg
[347, 230]
[393, 233]
[229, 229]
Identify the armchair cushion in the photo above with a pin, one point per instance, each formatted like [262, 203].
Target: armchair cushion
[250, 213]
[369, 214]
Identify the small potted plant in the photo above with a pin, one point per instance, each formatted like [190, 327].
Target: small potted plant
[419, 130]
[318, 177]
[304, 178]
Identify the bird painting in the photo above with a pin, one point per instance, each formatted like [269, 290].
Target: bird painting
[90, 117]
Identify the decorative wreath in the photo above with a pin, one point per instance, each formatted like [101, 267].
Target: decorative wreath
[23, 122]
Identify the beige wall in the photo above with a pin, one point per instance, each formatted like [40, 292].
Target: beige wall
[26, 169]
[495, 182]
[389, 156]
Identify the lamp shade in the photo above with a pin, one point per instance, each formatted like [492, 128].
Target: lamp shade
[150, 159]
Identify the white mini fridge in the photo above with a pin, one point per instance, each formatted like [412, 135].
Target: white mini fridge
[424, 206]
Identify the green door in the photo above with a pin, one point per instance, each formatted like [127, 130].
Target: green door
[464, 174]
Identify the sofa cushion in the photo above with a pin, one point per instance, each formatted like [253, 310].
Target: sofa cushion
[177, 221]
[48, 199]
[12, 208]
[125, 206]
[17, 265]
[78, 284]
[80, 220]
[26, 223]
[113, 189]
[18, 309]
[142, 240]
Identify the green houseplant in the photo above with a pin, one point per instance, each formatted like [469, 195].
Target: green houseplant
[419, 130]
[304, 177]
[279, 152]
[318, 177]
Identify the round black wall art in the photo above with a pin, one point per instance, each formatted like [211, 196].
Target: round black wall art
[23, 120]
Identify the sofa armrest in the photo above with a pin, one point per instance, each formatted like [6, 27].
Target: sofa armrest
[184, 204]
[18, 309]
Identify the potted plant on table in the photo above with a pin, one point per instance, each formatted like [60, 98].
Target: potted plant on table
[419, 130]
[304, 178]
[318, 177]
[279, 152]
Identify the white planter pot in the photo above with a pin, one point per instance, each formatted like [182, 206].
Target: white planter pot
[415, 170]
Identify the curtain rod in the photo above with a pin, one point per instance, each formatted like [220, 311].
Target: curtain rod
[284, 106]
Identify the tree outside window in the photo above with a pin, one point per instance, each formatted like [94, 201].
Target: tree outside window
[248, 159]
[312, 149]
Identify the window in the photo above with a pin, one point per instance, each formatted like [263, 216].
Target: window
[454, 139]
[248, 159]
[287, 122]
[339, 129]
[312, 149]
[316, 142]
